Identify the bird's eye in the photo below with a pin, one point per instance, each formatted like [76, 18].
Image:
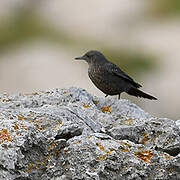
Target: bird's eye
[87, 55]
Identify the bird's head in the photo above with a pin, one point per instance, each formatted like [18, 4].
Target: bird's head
[92, 57]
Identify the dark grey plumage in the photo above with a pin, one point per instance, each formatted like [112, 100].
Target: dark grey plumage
[109, 78]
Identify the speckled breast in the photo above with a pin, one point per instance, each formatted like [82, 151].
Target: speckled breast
[105, 81]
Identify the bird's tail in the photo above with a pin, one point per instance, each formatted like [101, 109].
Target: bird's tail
[138, 93]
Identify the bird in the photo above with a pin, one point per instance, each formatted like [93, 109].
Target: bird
[109, 78]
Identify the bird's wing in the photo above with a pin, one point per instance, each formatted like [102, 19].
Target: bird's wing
[115, 70]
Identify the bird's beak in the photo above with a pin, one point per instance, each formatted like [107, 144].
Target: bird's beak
[81, 57]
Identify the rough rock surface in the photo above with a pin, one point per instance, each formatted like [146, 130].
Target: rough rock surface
[66, 134]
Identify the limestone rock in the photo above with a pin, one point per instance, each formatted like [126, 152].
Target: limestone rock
[66, 134]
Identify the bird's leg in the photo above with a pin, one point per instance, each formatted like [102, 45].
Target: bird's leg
[106, 95]
[119, 96]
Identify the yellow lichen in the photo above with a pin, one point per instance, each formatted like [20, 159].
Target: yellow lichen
[106, 109]
[145, 155]
[86, 105]
[101, 147]
[30, 165]
[56, 150]
[145, 138]
[109, 151]
[125, 143]
[20, 117]
[28, 170]
[52, 145]
[99, 158]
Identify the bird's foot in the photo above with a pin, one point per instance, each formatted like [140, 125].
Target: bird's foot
[119, 96]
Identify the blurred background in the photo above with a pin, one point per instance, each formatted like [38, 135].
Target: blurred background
[40, 38]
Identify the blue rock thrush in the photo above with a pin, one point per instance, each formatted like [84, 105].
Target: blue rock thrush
[109, 78]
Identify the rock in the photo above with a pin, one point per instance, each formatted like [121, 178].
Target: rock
[66, 134]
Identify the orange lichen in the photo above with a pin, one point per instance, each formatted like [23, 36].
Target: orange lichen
[64, 150]
[145, 155]
[145, 138]
[4, 136]
[101, 147]
[167, 156]
[106, 109]
[59, 122]
[21, 117]
[17, 133]
[30, 115]
[28, 170]
[64, 92]
[37, 127]
[16, 126]
[74, 142]
[99, 158]
[86, 105]
[79, 141]
[23, 126]
[30, 120]
[12, 131]
[109, 151]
